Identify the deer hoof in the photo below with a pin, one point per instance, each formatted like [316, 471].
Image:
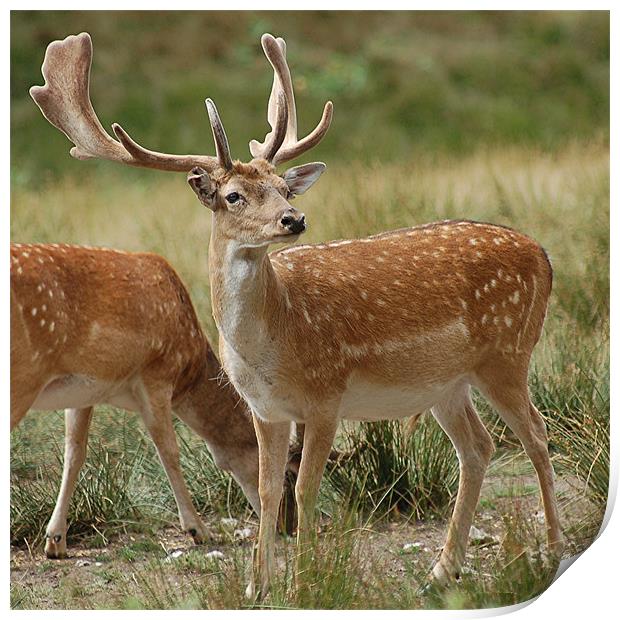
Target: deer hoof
[250, 591]
[55, 547]
[199, 534]
[441, 575]
[254, 594]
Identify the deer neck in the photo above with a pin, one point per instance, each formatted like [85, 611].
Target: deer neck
[245, 293]
[213, 410]
[209, 404]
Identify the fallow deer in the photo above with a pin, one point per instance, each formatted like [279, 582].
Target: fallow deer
[382, 327]
[95, 325]
[377, 328]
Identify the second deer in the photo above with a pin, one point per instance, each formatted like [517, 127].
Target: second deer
[94, 325]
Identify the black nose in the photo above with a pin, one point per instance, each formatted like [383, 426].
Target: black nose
[295, 225]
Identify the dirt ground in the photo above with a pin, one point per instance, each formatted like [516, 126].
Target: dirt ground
[106, 577]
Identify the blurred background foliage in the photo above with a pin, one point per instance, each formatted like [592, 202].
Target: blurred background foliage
[433, 82]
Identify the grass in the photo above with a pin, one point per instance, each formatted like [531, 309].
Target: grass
[121, 487]
[346, 574]
[517, 571]
[389, 470]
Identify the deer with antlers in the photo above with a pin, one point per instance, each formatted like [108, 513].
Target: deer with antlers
[377, 328]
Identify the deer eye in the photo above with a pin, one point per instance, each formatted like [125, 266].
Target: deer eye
[232, 197]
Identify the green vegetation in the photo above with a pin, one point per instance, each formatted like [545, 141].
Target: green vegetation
[122, 484]
[498, 117]
[347, 574]
[404, 85]
[389, 469]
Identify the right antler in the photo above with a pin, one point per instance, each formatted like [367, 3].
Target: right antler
[65, 102]
[275, 50]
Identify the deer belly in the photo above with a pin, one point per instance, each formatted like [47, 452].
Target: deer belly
[77, 391]
[369, 401]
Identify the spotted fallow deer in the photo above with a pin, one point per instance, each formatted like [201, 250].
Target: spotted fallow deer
[366, 329]
[94, 325]
[377, 328]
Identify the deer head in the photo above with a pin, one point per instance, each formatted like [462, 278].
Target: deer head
[251, 201]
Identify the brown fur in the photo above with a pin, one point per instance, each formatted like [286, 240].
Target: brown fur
[115, 316]
[401, 286]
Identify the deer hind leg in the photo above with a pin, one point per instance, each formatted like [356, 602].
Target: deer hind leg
[273, 442]
[77, 423]
[19, 408]
[506, 389]
[24, 392]
[460, 421]
[156, 412]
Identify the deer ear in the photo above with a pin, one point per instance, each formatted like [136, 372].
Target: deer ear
[301, 178]
[199, 180]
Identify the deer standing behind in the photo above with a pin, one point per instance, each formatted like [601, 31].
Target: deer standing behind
[94, 325]
[378, 328]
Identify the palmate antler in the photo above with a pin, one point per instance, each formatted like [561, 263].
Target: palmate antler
[65, 102]
[275, 50]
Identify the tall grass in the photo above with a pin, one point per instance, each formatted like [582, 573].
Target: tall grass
[122, 485]
[347, 574]
[390, 470]
[517, 571]
[102, 504]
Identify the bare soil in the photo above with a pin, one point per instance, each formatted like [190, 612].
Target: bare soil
[106, 577]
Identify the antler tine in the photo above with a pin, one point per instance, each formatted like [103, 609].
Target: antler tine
[278, 135]
[275, 51]
[291, 150]
[65, 102]
[219, 136]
